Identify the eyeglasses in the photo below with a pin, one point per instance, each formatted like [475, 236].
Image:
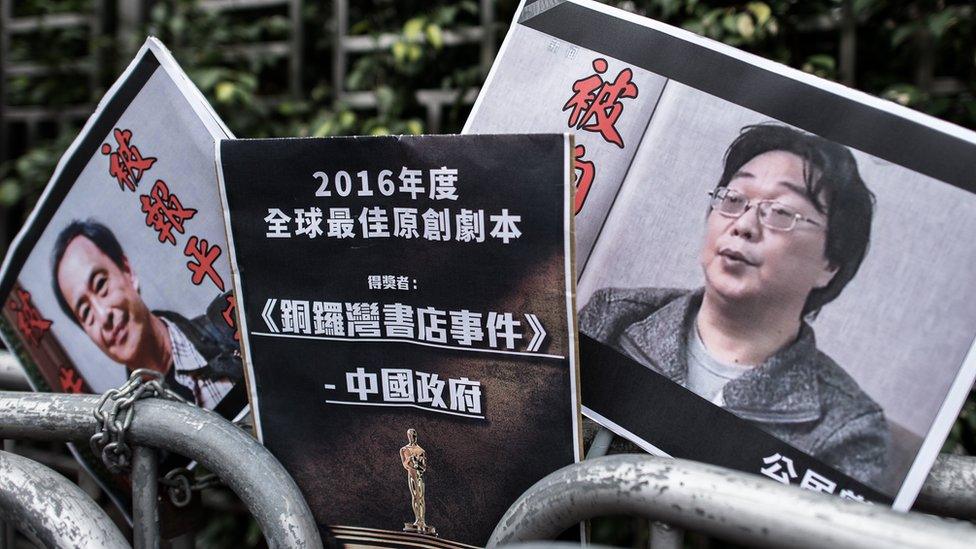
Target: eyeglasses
[774, 215]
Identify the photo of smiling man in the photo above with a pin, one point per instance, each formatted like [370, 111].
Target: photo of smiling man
[98, 289]
[123, 263]
[787, 227]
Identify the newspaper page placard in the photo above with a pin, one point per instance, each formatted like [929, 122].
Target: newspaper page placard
[776, 270]
[123, 264]
[409, 318]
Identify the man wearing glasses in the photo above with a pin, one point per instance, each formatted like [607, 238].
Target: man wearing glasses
[788, 226]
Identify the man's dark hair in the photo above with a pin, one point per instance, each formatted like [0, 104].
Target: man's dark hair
[833, 185]
[99, 235]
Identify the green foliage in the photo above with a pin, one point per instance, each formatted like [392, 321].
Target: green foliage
[905, 50]
[748, 24]
[57, 50]
[251, 92]
[962, 437]
[23, 178]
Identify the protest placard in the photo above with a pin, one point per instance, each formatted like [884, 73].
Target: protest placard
[123, 263]
[409, 318]
[774, 270]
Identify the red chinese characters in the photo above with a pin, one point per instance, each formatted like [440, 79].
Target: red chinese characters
[228, 315]
[205, 255]
[70, 381]
[126, 163]
[30, 323]
[596, 103]
[585, 172]
[164, 212]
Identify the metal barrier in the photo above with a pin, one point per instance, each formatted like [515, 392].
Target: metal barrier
[726, 504]
[50, 509]
[674, 494]
[240, 461]
[950, 489]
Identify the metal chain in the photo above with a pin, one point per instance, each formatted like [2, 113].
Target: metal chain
[180, 487]
[110, 440]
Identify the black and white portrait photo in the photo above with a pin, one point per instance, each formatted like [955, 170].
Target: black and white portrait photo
[787, 226]
[816, 292]
[774, 271]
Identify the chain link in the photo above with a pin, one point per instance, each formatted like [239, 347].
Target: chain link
[115, 411]
[180, 484]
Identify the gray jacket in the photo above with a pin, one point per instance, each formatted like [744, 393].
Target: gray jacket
[799, 395]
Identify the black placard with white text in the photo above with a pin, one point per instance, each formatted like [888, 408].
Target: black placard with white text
[398, 283]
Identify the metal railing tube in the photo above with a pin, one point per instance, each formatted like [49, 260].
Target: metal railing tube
[47, 416]
[145, 491]
[665, 536]
[950, 489]
[51, 509]
[724, 503]
[240, 461]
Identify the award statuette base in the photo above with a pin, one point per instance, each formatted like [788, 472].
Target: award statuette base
[425, 529]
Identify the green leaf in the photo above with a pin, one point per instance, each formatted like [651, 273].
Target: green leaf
[225, 91]
[160, 12]
[413, 28]
[694, 26]
[435, 36]
[178, 24]
[862, 7]
[901, 34]
[324, 129]
[414, 127]
[400, 51]
[278, 24]
[822, 65]
[247, 81]
[360, 27]
[745, 26]
[414, 52]
[939, 22]
[729, 22]
[447, 15]
[347, 119]
[761, 10]
[207, 78]
[385, 98]
[904, 94]
[10, 193]
[711, 18]
[319, 92]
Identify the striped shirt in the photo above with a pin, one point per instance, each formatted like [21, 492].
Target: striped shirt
[189, 365]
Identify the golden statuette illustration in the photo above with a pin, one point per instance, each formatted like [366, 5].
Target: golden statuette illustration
[414, 460]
